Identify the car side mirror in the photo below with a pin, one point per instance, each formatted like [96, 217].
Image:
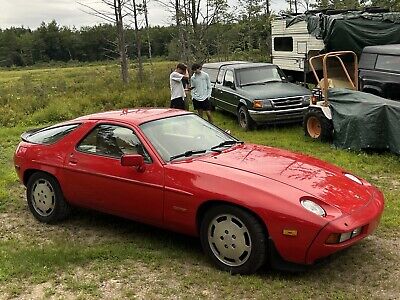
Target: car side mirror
[133, 160]
[231, 85]
[290, 78]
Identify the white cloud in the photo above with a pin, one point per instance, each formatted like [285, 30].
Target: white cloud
[30, 13]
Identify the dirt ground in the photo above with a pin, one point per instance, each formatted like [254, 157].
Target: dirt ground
[139, 280]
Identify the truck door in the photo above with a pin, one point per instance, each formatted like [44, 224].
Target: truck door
[229, 97]
[218, 89]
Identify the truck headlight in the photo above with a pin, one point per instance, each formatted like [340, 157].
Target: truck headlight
[313, 207]
[307, 99]
[262, 104]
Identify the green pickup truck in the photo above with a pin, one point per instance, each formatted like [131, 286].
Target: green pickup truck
[257, 93]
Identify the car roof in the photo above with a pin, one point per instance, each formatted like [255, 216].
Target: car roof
[236, 65]
[252, 65]
[135, 116]
[217, 65]
[393, 49]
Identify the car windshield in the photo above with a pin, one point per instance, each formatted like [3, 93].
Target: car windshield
[184, 136]
[260, 75]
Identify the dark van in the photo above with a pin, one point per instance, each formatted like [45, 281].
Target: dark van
[379, 71]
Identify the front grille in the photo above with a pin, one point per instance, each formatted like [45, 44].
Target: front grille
[287, 103]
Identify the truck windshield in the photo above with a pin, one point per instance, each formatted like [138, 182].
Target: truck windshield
[259, 75]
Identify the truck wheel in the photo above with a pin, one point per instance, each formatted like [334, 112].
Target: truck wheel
[317, 126]
[245, 121]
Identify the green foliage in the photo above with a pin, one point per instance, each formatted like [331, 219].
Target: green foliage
[49, 95]
[338, 4]
[51, 42]
[392, 5]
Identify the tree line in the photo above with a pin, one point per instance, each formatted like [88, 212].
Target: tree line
[201, 30]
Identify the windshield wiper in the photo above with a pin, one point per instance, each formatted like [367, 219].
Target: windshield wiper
[252, 83]
[261, 82]
[187, 154]
[226, 143]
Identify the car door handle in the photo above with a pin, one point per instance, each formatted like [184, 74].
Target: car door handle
[72, 160]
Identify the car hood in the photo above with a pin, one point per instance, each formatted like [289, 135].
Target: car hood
[315, 177]
[274, 90]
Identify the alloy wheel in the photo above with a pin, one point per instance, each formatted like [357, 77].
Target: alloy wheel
[229, 240]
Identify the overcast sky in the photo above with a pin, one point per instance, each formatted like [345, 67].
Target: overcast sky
[30, 13]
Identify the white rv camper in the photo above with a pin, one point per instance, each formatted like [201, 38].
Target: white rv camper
[292, 47]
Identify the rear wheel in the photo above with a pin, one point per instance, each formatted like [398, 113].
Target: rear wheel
[233, 239]
[245, 121]
[45, 198]
[317, 126]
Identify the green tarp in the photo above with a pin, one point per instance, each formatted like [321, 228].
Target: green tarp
[352, 30]
[364, 121]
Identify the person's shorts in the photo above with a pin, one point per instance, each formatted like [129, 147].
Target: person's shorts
[178, 103]
[203, 105]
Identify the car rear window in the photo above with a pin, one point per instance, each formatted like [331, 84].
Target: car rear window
[50, 135]
[213, 73]
[388, 63]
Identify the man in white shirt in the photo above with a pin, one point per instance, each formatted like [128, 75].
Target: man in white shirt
[177, 89]
[201, 91]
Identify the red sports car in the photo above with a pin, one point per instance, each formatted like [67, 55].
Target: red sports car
[172, 169]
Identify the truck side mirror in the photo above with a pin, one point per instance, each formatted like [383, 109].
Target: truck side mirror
[231, 85]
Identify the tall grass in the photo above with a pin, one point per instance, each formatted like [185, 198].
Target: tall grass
[37, 96]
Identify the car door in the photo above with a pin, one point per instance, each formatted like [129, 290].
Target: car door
[228, 95]
[96, 179]
[218, 90]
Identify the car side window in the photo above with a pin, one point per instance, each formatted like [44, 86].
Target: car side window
[212, 73]
[367, 61]
[113, 141]
[228, 80]
[388, 63]
[221, 75]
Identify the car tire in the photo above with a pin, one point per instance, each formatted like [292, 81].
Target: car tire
[45, 198]
[244, 119]
[234, 239]
[317, 126]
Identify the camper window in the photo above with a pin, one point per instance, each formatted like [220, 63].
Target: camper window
[283, 44]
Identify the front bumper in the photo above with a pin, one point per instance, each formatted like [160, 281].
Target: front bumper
[368, 217]
[284, 115]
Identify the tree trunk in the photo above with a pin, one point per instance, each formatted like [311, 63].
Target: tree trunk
[146, 19]
[138, 43]
[121, 41]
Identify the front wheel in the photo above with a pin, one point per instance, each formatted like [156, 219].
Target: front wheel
[45, 198]
[244, 118]
[233, 239]
[317, 126]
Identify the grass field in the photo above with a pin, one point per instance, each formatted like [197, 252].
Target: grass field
[92, 255]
